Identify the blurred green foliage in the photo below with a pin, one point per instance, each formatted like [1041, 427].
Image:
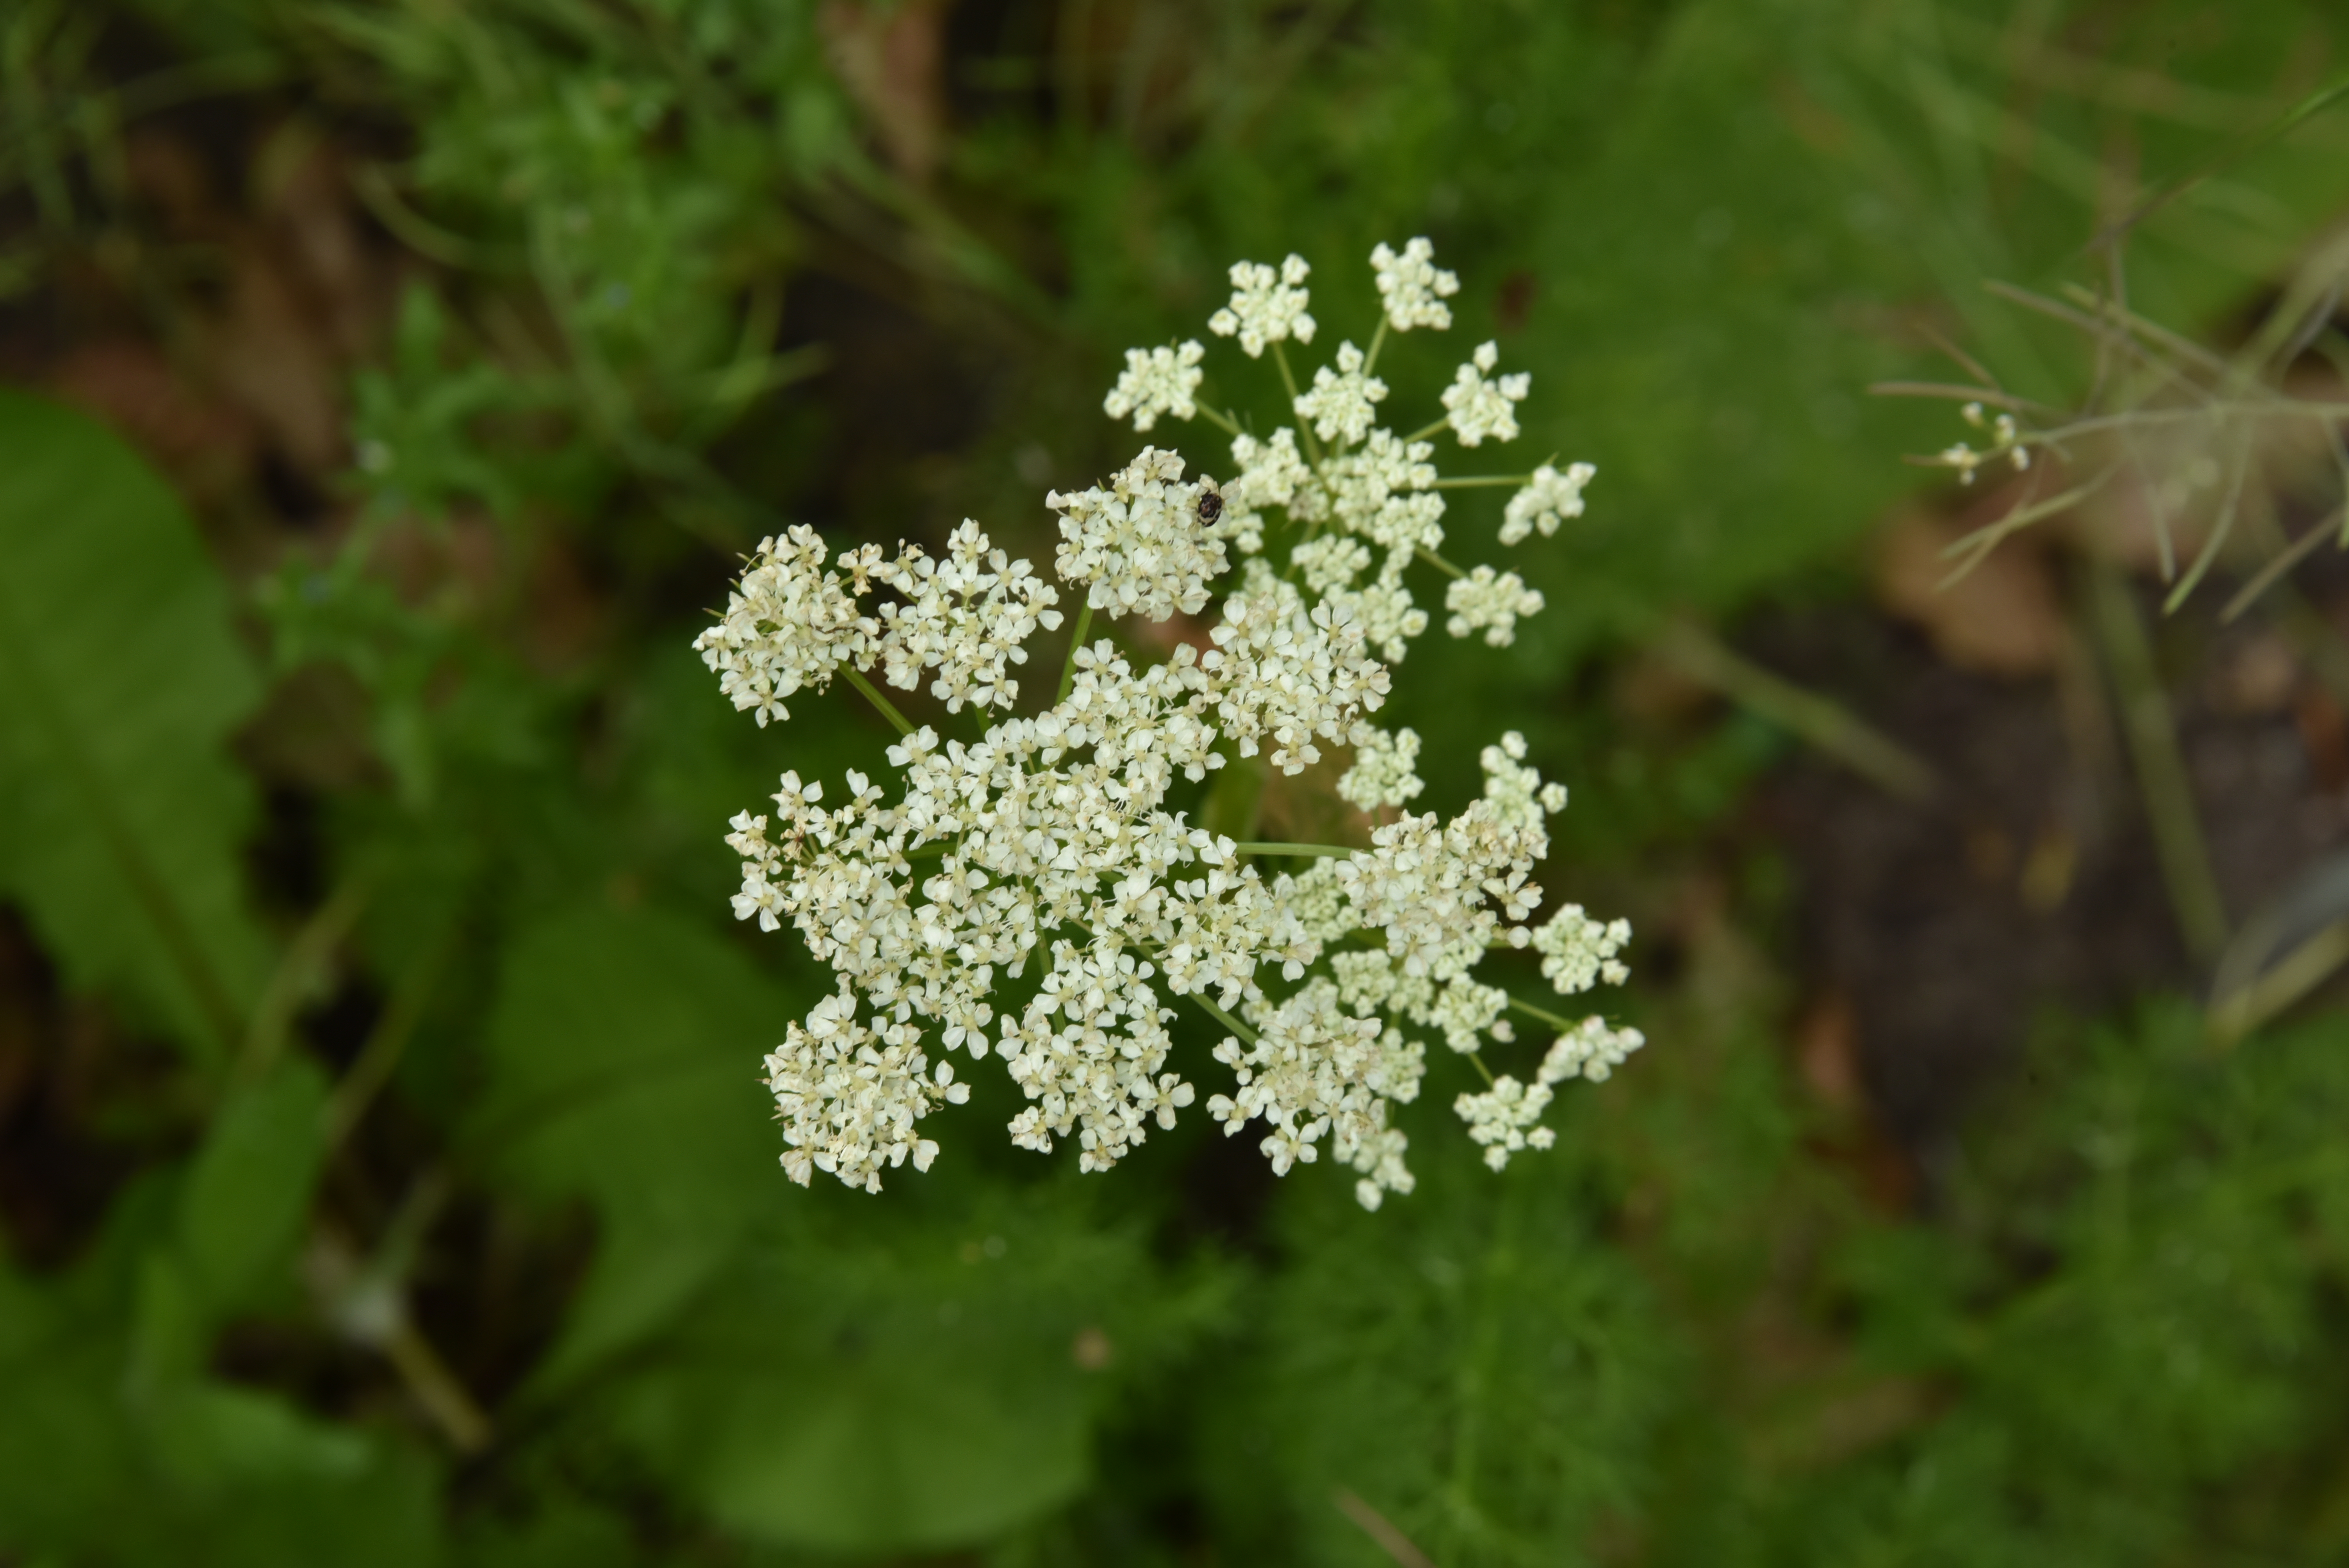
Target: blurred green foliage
[504, 1271]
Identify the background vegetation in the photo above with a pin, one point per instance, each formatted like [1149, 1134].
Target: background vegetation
[383, 1175]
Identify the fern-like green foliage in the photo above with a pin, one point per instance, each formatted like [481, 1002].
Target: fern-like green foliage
[120, 681]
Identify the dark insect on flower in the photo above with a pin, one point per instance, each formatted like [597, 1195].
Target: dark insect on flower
[1211, 506]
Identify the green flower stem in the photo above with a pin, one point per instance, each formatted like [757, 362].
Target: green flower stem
[1377, 341]
[872, 694]
[2169, 794]
[1226, 1019]
[1322, 852]
[1216, 416]
[1478, 1058]
[1076, 641]
[1439, 563]
[1425, 431]
[1479, 481]
[1544, 1013]
[1304, 429]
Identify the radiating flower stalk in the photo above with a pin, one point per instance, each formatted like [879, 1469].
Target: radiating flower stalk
[1023, 892]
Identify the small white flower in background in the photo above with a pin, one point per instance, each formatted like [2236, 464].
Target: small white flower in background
[1491, 602]
[1546, 502]
[1156, 381]
[1412, 287]
[1266, 307]
[1055, 845]
[1339, 405]
[1479, 410]
[2006, 441]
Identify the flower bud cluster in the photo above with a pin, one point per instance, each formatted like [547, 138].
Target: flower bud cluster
[1033, 887]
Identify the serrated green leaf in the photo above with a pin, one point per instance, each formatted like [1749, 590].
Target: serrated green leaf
[120, 679]
[624, 1053]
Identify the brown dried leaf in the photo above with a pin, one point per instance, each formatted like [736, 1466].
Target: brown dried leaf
[2003, 618]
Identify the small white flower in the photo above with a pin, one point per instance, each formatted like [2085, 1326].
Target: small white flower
[1545, 504]
[1339, 405]
[1266, 307]
[1492, 602]
[1477, 408]
[1156, 381]
[1412, 287]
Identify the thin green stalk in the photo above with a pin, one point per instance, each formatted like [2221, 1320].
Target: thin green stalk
[2237, 472]
[1076, 641]
[304, 959]
[1377, 341]
[1216, 416]
[2152, 733]
[357, 1087]
[1825, 724]
[888, 710]
[1323, 851]
[1226, 1019]
[1439, 563]
[1425, 431]
[1477, 1059]
[1544, 1013]
[1304, 429]
[1478, 482]
[2290, 556]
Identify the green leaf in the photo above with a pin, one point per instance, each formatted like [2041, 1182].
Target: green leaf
[902, 1375]
[243, 1209]
[119, 682]
[625, 1053]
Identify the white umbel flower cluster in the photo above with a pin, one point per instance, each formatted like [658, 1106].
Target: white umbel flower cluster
[1546, 502]
[1138, 546]
[1030, 884]
[1412, 287]
[1578, 951]
[1505, 1118]
[1479, 410]
[1492, 602]
[1156, 381]
[1266, 307]
[1382, 774]
[790, 623]
[1340, 407]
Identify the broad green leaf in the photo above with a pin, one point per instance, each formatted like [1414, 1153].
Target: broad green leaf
[115, 1451]
[120, 679]
[624, 1054]
[903, 1373]
[249, 1190]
